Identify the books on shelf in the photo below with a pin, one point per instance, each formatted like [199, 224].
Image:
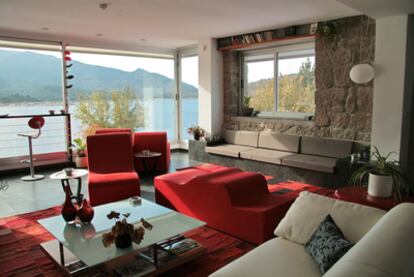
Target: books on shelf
[182, 247]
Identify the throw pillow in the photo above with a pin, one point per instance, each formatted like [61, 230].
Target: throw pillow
[327, 245]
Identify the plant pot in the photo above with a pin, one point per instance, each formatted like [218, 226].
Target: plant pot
[380, 186]
[196, 136]
[81, 162]
[123, 241]
[247, 111]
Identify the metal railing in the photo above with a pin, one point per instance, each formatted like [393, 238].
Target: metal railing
[55, 137]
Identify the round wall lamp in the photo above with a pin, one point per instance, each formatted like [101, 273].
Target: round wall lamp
[362, 73]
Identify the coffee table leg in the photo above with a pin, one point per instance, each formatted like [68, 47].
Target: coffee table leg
[62, 255]
[155, 255]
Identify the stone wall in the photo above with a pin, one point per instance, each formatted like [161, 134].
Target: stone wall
[342, 108]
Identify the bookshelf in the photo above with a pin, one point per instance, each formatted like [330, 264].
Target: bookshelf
[264, 37]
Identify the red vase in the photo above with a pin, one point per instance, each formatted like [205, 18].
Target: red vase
[86, 212]
[68, 209]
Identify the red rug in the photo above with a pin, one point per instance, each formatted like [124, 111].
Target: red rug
[20, 253]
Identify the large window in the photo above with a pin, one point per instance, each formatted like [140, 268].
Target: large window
[189, 94]
[30, 84]
[280, 80]
[122, 92]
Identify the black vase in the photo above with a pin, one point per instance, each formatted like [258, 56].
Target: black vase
[123, 241]
[196, 136]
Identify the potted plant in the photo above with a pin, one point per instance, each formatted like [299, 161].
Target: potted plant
[247, 109]
[124, 233]
[196, 131]
[80, 147]
[385, 177]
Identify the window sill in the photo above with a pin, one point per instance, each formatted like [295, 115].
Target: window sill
[286, 115]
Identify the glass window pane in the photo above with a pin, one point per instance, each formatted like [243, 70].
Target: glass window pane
[120, 91]
[260, 85]
[296, 81]
[189, 94]
[30, 84]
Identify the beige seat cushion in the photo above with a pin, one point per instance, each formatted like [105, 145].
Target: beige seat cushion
[316, 163]
[309, 209]
[228, 150]
[265, 155]
[244, 138]
[276, 257]
[276, 141]
[386, 250]
[333, 148]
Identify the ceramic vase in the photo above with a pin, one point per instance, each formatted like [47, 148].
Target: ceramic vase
[380, 186]
[86, 212]
[68, 211]
[81, 162]
[123, 241]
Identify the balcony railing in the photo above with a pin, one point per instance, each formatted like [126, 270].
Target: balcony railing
[52, 145]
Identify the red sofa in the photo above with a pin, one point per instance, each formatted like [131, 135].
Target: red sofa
[111, 169]
[228, 199]
[153, 141]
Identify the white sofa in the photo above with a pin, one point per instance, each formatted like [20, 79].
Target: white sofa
[311, 153]
[384, 242]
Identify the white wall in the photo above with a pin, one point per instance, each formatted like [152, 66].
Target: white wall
[210, 101]
[390, 60]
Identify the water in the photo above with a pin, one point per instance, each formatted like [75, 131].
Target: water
[160, 115]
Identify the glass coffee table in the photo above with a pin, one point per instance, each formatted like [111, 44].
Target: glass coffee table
[79, 248]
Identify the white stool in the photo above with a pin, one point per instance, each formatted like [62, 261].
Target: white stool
[36, 123]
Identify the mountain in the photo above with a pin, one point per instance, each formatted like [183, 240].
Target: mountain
[28, 76]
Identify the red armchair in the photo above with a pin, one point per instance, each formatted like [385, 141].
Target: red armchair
[111, 170]
[156, 142]
[235, 202]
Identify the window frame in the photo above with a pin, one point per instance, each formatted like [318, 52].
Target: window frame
[273, 54]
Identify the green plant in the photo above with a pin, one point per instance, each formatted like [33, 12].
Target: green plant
[80, 147]
[384, 166]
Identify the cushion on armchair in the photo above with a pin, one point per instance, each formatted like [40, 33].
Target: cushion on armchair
[309, 209]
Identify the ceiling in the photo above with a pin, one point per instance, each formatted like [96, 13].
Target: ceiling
[155, 24]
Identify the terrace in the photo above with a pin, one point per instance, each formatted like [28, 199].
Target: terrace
[232, 121]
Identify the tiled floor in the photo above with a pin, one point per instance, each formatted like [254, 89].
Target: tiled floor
[23, 197]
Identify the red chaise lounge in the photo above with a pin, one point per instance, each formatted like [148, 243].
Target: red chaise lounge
[112, 176]
[228, 199]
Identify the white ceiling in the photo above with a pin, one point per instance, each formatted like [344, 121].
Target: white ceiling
[381, 8]
[164, 24]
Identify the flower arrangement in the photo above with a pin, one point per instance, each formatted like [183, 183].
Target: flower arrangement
[123, 233]
[196, 131]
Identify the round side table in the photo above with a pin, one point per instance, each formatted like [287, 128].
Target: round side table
[359, 195]
[149, 160]
[77, 174]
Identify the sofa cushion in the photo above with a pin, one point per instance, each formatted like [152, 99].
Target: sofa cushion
[386, 250]
[309, 209]
[333, 148]
[228, 150]
[245, 138]
[328, 244]
[265, 155]
[310, 162]
[276, 141]
[276, 257]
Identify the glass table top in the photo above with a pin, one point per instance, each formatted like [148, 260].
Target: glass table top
[85, 240]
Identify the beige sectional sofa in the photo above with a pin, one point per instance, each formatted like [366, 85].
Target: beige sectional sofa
[311, 153]
[383, 242]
